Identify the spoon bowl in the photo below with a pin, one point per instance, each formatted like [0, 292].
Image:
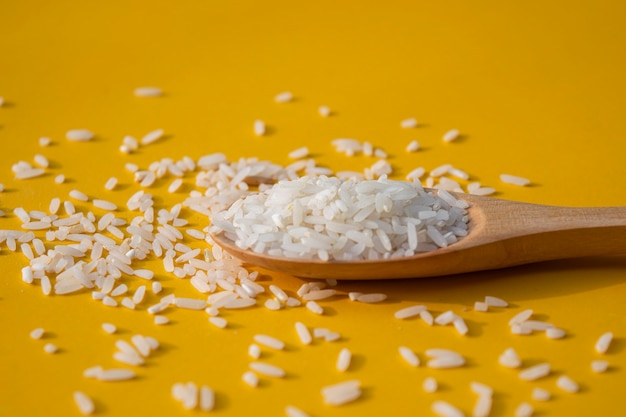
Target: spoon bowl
[502, 233]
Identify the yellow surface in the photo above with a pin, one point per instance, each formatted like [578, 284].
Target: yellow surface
[537, 89]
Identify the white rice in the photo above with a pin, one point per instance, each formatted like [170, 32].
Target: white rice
[175, 185]
[37, 333]
[50, 348]
[409, 356]
[283, 97]
[343, 360]
[514, 180]
[254, 351]
[299, 153]
[84, 403]
[259, 127]
[324, 111]
[79, 135]
[604, 342]
[451, 135]
[445, 409]
[342, 393]
[430, 384]
[148, 92]
[480, 306]
[109, 328]
[267, 369]
[218, 322]
[314, 307]
[269, 341]
[555, 333]
[250, 378]
[59, 179]
[409, 312]
[413, 146]
[41, 160]
[152, 136]
[599, 366]
[207, 398]
[524, 410]
[567, 384]
[409, 123]
[291, 411]
[303, 333]
[521, 317]
[482, 407]
[540, 394]
[371, 298]
[535, 372]
[44, 141]
[78, 195]
[510, 359]
[495, 301]
[160, 320]
[190, 303]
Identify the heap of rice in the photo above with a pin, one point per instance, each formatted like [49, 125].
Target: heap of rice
[327, 218]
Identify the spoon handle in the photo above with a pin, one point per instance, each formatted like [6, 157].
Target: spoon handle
[529, 233]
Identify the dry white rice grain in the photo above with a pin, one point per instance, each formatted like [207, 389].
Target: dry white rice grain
[272, 304]
[254, 351]
[218, 322]
[343, 360]
[555, 333]
[175, 185]
[482, 407]
[314, 307]
[119, 290]
[495, 301]
[430, 384]
[409, 356]
[156, 286]
[148, 92]
[324, 111]
[59, 179]
[42, 161]
[46, 286]
[446, 362]
[152, 136]
[108, 301]
[250, 378]
[279, 293]
[93, 372]
[603, 343]
[115, 375]
[259, 127]
[84, 403]
[409, 312]
[110, 184]
[408, 123]
[521, 317]
[79, 195]
[44, 141]
[481, 389]
[445, 409]
[451, 135]
[299, 153]
[413, 146]
[128, 303]
[319, 294]
[535, 372]
[28, 173]
[371, 298]
[341, 393]
[510, 359]
[303, 333]
[104, 205]
[540, 394]
[79, 135]
[599, 366]
[460, 325]
[37, 333]
[109, 328]
[291, 411]
[427, 317]
[50, 348]
[139, 294]
[207, 398]
[445, 318]
[480, 306]
[160, 320]
[514, 180]
[267, 369]
[567, 384]
[27, 274]
[145, 274]
[190, 303]
[524, 410]
[269, 341]
[283, 97]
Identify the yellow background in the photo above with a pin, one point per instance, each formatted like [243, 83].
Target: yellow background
[537, 89]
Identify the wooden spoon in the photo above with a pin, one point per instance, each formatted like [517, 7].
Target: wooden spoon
[501, 234]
